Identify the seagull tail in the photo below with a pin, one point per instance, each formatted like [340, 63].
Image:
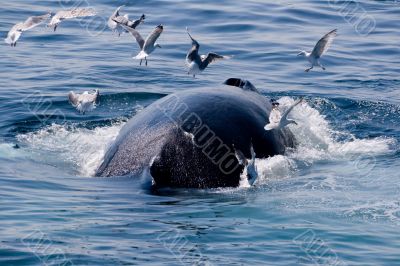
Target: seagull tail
[8, 40]
[141, 55]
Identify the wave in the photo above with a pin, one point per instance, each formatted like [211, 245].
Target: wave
[79, 148]
[317, 142]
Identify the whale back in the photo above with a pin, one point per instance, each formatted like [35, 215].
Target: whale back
[188, 139]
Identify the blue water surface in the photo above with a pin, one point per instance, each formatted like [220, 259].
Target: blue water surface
[332, 201]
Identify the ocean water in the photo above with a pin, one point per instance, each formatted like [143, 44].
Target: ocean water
[332, 201]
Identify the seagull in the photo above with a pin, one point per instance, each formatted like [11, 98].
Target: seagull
[116, 20]
[197, 63]
[124, 20]
[69, 14]
[84, 102]
[111, 23]
[250, 170]
[147, 46]
[16, 31]
[276, 121]
[320, 48]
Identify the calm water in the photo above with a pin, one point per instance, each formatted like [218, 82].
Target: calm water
[334, 200]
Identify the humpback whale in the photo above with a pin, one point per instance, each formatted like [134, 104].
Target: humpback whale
[189, 138]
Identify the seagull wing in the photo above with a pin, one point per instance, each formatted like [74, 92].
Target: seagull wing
[137, 22]
[211, 57]
[85, 12]
[323, 44]
[69, 14]
[136, 34]
[193, 54]
[32, 22]
[240, 157]
[252, 171]
[153, 36]
[116, 12]
[286, 113]
[78, 13]
[73, 98]
[124, 20]
[253, 154]
[94, 96]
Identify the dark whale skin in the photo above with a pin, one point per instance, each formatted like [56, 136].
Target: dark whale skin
[188, 139]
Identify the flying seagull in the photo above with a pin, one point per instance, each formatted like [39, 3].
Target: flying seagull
[276, 121]
[111, 23]
[320, 48]
[197, 63]
[84, 102]
[16, 31]
[124, 20]
[146, 46]
[250, 169]
[116, 20]
[70, 14]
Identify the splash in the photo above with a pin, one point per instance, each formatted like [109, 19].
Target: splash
[80, 147]
[8, 150]
[318, 141]
[377, 210]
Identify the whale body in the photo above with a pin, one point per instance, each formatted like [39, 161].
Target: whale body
[189, 138]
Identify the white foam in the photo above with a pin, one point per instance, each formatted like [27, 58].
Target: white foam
[278, 166]
[379, 209]
[317, 141]
[7, 151]
[244, 181]
[84, 148]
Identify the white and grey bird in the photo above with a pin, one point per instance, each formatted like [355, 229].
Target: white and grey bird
[111, 23]
[320, 48]
[15, 33]
[84, 102]
[197, 63]
[276, 121]
[70, 14]
[116, 21]
[146, 46]
[124, 21]
[250, 168]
